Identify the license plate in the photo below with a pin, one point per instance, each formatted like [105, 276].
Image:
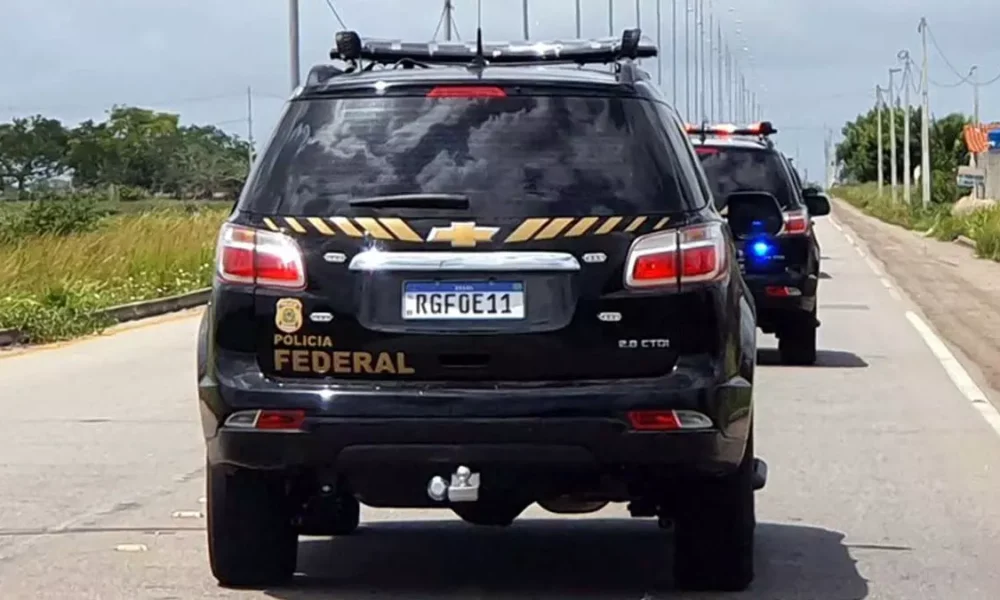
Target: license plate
[446, 300]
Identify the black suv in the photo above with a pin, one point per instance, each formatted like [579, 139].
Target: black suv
[782, 271]
[477, 285]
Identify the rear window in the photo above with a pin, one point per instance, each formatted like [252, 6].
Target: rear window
[513, 156]
[731, 169]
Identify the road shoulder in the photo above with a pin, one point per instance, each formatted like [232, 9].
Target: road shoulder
[958, 293]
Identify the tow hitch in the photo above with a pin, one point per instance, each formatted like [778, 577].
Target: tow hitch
[464, 487]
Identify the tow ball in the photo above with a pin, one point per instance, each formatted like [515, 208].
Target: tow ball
[464, 486]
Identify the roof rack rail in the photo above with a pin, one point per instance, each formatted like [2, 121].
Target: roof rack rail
[351, 48]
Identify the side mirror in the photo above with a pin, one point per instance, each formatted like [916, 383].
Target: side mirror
[818, 204]
[754, 213]
[810, 191]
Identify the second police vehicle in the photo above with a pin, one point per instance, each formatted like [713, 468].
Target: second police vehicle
[478, 277]
[783, 271]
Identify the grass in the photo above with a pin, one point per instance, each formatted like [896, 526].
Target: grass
[50, 285]
[982, 226]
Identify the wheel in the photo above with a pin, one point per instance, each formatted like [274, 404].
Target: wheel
[252, 541]
[334, 514]
[797, 343]
[714, 532]
[495, 514]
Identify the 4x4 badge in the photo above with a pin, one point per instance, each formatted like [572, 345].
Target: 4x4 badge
[464, 235]
[288, 315]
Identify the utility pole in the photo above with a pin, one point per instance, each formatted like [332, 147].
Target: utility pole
[611, 18]
[711, 62]
[673, 57]
[975, 120]
[659, 44]
[293, 39]
[687, 58]
[579, 24]
[722, 113]
[907, 170]
[701, 57]
[892, 134]
[881, 154]
[250, 151]
[696, 44]
[524, 12]
[638, 13]
[925, 116]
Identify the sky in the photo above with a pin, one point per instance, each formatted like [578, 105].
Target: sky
[814, 64]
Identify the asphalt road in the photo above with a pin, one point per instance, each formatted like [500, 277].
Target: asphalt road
[884, 482]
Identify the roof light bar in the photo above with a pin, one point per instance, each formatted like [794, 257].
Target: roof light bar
[764, 129]
[631, 45]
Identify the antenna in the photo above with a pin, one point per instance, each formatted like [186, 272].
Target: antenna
[480, 60]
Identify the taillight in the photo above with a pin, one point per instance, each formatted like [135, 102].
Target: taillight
[266, 258]
[672, 258]
[466, 91]
[796, 222]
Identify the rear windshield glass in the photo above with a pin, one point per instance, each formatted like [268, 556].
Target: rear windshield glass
[732, 169]
[513, 156]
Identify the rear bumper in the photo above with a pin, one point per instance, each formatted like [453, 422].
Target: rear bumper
[775, 308]
[581, 425]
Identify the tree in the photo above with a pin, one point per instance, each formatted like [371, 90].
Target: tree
[857, 154]
[31, 149]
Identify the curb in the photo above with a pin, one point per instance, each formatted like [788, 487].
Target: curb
[965, 242]
[131, 312]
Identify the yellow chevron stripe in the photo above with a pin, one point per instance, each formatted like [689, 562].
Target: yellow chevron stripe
[608, 225]
[373, 228]
[295, 225]
[345, 225]
[554, 228]
[320, 225]
[635, 224]
[270, 224]
[525, 230]
[581, 227]
[401, 230]
[659, 224]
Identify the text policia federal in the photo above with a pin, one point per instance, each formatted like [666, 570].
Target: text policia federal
[312, 354]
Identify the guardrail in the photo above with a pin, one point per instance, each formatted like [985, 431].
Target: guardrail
[130, 312]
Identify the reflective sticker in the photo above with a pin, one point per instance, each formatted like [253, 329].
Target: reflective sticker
[320, 317]
[610, 317]
[595, 257]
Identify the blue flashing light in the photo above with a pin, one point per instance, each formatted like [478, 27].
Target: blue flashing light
[762, 249]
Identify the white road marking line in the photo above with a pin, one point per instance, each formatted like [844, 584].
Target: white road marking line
[131, 548]
[885, 282]
[850, 240]
[187, 514]
[958, 375]
[861, 252]
[836, 225]
[895, 295]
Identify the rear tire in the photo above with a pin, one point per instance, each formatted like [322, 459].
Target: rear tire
[714, 532]
[797, 343]
[252, 541]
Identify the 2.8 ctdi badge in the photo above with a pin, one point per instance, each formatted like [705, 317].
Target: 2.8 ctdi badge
[288, 315]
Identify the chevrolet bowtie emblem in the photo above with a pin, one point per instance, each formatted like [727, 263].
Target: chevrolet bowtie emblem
[462, 235]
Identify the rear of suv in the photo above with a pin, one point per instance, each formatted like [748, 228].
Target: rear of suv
[783, 270]
[478, 286]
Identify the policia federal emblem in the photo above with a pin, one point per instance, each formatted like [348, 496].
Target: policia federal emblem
[288, 315]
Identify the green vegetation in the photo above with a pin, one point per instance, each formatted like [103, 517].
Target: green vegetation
[63, 259]
[857, 156]
[90, 216]
[982, 226]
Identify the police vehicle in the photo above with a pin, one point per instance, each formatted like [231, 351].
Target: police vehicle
[478, 277]
[783, 270]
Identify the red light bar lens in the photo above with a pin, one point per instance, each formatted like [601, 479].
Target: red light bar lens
[703, 151]
[466, 91]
